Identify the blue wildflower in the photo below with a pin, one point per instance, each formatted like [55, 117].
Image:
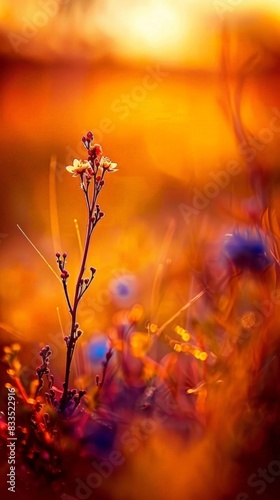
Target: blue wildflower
[97, 349]
[247, 250]
[124, 289]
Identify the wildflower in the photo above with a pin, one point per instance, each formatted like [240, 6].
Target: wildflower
[124, 289]
[97, 348]
[247, 250]
[106, 164]
[95, 152]
[78, 167]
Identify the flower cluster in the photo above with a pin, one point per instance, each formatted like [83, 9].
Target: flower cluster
[96, 162]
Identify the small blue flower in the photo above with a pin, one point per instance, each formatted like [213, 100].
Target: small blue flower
[247, 250]
[97, 349]
[124, 289]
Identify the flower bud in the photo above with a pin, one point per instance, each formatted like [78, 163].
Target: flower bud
[90, 136]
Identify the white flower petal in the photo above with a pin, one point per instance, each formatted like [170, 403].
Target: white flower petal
[70, 169]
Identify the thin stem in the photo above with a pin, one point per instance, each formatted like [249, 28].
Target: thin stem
[105, 367]
[86, 287]
[85, 190]
[67, 296]
[71, 345]
[78, 295]
[184, 308]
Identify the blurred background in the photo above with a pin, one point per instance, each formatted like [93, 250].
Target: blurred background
[154, 81]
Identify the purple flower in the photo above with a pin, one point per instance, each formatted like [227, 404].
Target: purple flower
[124, 289]
[247, 250]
